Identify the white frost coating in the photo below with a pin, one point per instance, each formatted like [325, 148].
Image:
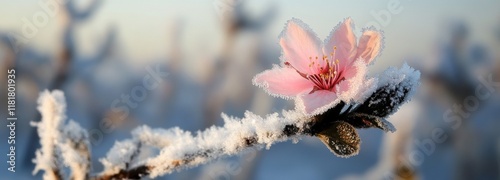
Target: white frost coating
[60, 142]
[382, 41]
[367, 88]
[75, 150]
[405, 78]
[299, 106]
[393, 76]
[159, 137]
[218, 142]
[360, 87]
[74, 160]
[52, 107]
[75, 132]
[119, 156]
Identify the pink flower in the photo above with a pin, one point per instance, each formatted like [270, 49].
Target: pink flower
[319, 75]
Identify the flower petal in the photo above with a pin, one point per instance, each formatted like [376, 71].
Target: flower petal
[283, 82]
[370, 45]
[355, 84]
[317, 102]
[342, 37]
[365, 90]
[299, 43]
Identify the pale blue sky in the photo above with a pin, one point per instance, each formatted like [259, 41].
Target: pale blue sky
[144, 25]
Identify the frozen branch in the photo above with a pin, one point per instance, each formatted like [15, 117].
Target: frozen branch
[238, 135]
[235, 136]
[60, 143]
[52, 107]
[182, 149]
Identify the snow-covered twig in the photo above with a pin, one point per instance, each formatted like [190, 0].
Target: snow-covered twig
[61, 144]
[52, 107]
[235, 136]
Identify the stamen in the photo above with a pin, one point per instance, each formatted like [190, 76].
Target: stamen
[326, 74]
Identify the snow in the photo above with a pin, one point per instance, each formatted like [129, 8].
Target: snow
[52, 106]
[61, 144]
[178, 145]
[396, 86]
[75, 150]
[120, 156]
[360, 87]
[159, 137]
[406, 76]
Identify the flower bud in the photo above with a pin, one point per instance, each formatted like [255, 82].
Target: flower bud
[341, 138]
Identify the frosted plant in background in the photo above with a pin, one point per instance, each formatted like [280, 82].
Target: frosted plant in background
[333, 98]
[52, 106]
[61, 144]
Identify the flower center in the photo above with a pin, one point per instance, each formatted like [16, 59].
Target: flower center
[326, 74]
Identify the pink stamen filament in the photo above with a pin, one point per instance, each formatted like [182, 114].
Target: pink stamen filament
[328, 75]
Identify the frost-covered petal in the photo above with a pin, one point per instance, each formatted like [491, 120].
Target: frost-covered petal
[366, 89]
[342, 37]
[283, 82]
[370, 45]
[299, 43]
[355, 82]
[317, 102]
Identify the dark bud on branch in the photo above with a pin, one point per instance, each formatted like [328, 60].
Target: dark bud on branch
[395, 88]
[336, 127]
[341, 138]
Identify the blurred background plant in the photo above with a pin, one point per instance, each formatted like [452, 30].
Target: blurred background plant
[98, 51]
